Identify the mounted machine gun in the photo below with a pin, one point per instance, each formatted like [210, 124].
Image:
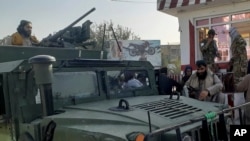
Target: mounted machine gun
[70, 36]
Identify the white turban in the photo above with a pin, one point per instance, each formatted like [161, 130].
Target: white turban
[233, 33]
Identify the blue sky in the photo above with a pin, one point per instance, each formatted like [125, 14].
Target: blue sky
[49, 16]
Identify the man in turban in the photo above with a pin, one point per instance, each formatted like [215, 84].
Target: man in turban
[23, 35]
[239, 54]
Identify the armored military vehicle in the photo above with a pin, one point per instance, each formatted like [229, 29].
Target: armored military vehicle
[72, 94]
[52, 94]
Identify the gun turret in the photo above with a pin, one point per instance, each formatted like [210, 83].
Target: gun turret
[57, 40]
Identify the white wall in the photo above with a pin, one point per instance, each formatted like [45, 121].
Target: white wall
[184, 39]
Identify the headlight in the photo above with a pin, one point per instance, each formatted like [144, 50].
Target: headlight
[135, 136]
[140, 137]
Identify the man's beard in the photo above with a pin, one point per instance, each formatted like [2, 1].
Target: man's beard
[26, 34]
[202, 75]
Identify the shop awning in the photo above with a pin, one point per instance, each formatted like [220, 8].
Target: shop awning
[172, 7]
[168, 4]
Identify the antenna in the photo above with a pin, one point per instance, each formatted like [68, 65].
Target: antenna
[119, 47]
[149, 122]
[103, 39]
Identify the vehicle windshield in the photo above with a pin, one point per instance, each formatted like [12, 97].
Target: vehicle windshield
[69, 87]
[76, 87]
[126, 80]
[77, 84]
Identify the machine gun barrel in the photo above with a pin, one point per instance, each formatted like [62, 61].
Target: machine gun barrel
[60, 33]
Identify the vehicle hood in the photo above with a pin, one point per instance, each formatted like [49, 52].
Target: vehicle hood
[164, 112]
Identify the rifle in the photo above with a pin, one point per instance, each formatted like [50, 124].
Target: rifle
[228, 82]
[193, 93]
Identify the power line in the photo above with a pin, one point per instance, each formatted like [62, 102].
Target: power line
[133, 1]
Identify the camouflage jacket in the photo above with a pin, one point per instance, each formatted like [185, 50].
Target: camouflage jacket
[239, 58]
[209, 51]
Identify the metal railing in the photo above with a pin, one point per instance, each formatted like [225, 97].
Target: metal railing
[222, 131]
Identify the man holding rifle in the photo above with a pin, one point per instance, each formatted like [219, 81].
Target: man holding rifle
[203, 84]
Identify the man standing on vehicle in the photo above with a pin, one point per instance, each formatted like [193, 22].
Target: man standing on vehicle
[239, 65]
[208, 48]
[239, 54]
[205, 85]
[23, 35]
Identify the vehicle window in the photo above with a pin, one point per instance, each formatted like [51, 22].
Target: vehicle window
[115, 80]
[75, 84]
[127, 80]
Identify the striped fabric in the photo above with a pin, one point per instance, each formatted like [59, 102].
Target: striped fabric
[168, 4]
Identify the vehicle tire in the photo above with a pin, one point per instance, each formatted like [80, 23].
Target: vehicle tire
[132, 52]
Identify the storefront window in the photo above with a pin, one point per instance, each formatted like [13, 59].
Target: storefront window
[202, 22]
[202, 33]
[241, 16]
[220, 19]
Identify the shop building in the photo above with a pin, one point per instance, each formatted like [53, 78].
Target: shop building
[196, 17]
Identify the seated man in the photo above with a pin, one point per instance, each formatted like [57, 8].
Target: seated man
[166, 84]
[131, 82]
[203, 84]
[187, 73]
[142, 78]
[23, 35]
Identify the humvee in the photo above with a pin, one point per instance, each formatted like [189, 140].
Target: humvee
[57, 92]
[50, 94]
